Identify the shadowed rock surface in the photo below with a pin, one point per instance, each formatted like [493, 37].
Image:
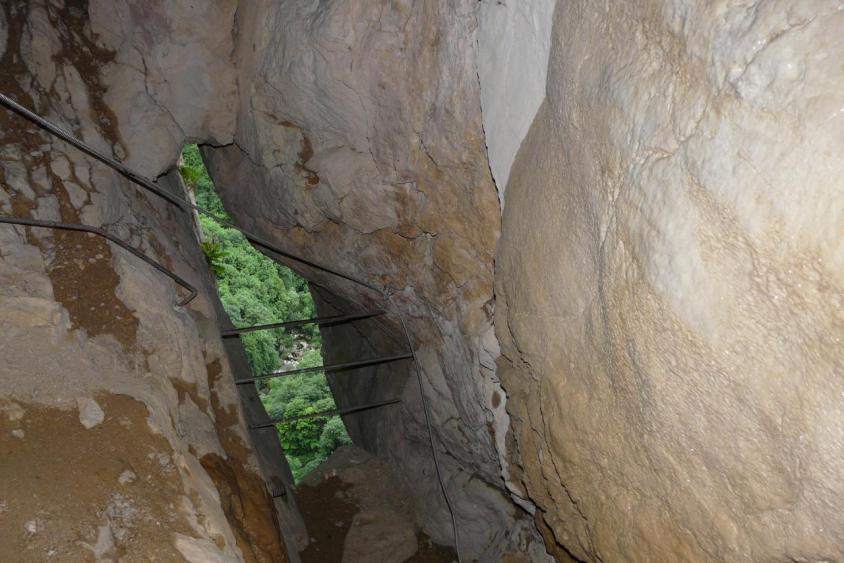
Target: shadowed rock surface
[359, 145]
[357, 511]
[640, 360]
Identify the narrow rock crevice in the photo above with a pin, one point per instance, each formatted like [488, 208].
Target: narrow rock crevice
[609, 231]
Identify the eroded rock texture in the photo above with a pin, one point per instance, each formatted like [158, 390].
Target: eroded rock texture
[669, 283]
[347, 132]
[359, 145]
[121, 433]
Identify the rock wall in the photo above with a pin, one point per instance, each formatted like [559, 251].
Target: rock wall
[348, 133]
[359, 145]
[122, 435]
[669, 283]
[514, 40]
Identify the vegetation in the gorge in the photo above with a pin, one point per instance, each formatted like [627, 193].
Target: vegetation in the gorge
[306, 442]
[256, 290]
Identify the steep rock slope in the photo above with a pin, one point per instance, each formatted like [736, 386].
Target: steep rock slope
[669, 283]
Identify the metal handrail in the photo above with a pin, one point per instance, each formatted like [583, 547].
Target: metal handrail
[184, 205]
[91, 151]
[105, 234]
[321, 321]
[332, 412]
[331, 368]
[180, 202]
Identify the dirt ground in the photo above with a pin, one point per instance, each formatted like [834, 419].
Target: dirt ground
[125, 494]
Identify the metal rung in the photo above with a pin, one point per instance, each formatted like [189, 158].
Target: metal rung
[334, 412]
[184, 204]
[337, 319]
[332, 367]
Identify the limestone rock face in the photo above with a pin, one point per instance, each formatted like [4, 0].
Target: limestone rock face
[514, 39]
[669, 283]
[171, 76]
[123, 431]
[359, 145]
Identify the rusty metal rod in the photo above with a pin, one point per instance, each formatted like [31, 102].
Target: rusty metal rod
[333, 412]
[322, 321]
[329, 368]
[105, 234]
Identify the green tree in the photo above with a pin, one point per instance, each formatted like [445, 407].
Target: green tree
[256, 290]
[312, 440]
[333, 436]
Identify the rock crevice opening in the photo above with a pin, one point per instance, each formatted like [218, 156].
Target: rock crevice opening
[630, 336]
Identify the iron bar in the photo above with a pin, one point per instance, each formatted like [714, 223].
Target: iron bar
[329, 368]
[181, 202]
[91, 151]
[105, 234]
[322, 321]
[333, 412]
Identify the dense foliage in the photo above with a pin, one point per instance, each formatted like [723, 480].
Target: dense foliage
[255, 290]
[306, 442]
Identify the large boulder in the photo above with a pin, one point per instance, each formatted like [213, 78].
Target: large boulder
[669, 284]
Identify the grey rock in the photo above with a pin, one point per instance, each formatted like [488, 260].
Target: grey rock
[90, 413]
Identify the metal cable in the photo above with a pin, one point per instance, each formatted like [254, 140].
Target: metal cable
[431, 435]
[184, 205]
[180, 202]
[91, 151]
[320, 321]
[330, 368]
